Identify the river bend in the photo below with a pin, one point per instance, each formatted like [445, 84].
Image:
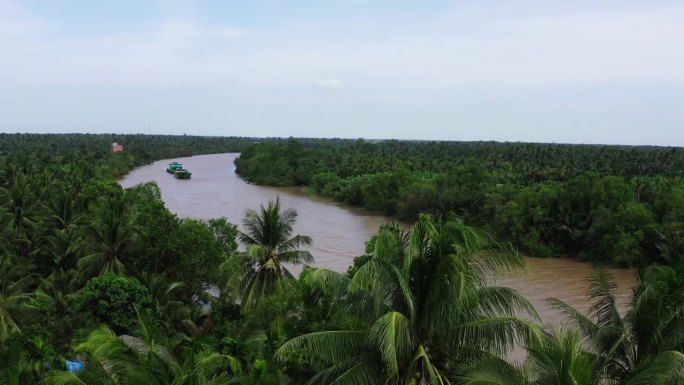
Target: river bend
[339, 231]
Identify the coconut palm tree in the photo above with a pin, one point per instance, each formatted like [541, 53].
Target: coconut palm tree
[19, 369]
[429, 306]
[261, 270]
[56, 299]
[62, 240]
[558, 358]
[111, 231]
[19, 213]
[646, 345]
[166, 296]
[149, 357]
[14, 296]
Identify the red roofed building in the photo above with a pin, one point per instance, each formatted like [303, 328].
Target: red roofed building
[116, 147]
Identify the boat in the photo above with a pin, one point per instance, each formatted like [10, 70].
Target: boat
[173, 166]
[182, 173]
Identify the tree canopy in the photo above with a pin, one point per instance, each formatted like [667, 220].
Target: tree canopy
[109, 277]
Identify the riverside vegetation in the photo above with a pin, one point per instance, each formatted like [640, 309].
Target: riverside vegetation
[92, 272]
[618, 205]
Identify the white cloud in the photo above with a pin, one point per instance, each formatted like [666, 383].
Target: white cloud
[165, 52]
[330, 83]
[470, 46]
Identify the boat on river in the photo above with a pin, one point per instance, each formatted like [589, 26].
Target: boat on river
[182, 173]
[173, 167]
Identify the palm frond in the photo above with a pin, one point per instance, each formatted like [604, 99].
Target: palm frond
[63, 378]
[497, 334]
[666, 368]
[393, 336]
[602, 292]
[493, 370]
[350, 372]
[325, 280]
[326, 348]
[588, 328]
[296, 257]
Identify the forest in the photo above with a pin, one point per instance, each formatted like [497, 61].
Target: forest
[619, 205]
[104, 285]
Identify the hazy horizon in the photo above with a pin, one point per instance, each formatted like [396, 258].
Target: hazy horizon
[517, 71]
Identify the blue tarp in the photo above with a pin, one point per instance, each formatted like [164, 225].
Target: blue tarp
[74, 366]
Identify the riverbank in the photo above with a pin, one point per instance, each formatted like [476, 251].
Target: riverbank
[585, 202]
[339, 232]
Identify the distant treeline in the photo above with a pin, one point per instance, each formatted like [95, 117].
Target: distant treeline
[622, 205]
[138, 149]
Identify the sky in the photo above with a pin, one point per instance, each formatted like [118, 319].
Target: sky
[576, 71]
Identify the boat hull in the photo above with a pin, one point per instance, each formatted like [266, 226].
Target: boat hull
[183, 175]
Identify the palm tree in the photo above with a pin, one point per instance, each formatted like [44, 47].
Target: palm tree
[14, 283]
[65, 207]
[19, 213]
[646, 345]
[261, 271]
[166, 296]
[558, 358]
[56, 299]
[147, 358]
[111, 231]
[19, 369]
[429, 307]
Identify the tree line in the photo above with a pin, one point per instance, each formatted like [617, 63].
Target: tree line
[109, 278]
[611, 204]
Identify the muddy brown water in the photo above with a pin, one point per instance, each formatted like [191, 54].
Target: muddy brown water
[339, 231]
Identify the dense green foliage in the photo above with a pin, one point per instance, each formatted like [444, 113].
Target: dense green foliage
[113, 299]
[93, 272]
[420, 326]
[77, 250]
[610, 204]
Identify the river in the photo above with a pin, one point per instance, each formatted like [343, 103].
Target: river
[339, 231]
